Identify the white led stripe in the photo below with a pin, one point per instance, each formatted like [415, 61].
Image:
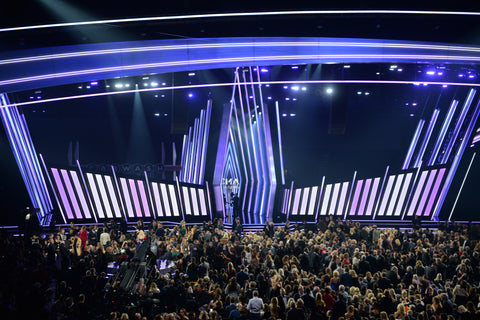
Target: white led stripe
[403, 195]
[343, 197]
[313, 198]
[333, 204]
[203, 204]
[81, 195]
[126, 196]
[303, 207]
[326, 198]
[395, 192]
[156, 195]
[168, 212]
[386, 195]
[171, 188]
[103, 192]
[418, 191]
[296, 201]
[186, 200]
[113, 197]
[426, 192]
[71, 194]
[243, 14]
[143, 197]
[194, 201]
[373, 194]
[96, 198]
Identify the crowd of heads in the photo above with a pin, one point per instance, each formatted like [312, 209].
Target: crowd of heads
[330, 270]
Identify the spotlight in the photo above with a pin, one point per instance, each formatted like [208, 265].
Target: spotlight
[294, 67]
[414, 104]
[399, 69]
[284, 114]
[94, 83]
[190, 95]
[347, 66]
[264, 70]
[269, 98]
[164, 84]
[191, 74]
[295, 88]
[304, 88]
[430, 73]
[127, 85]
[445, 86]
[118, 85]
[80, 87]
[292, 114]
[367, 93]
[287, 98]
[88, 87]
[329, 90]
[411, 115]
[154, 84]
[145, 84]
[285, 87]
[267, 85]
[157, 114]
[359, 92]
[165, 114]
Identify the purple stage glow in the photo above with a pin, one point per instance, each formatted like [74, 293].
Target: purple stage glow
[358, 190]
[363, 200]
[434, 193]
[418, 191]
[63, 195]
[126, 196]
[71, 194]
[373, 195]
[81, 195]
[426, 192]
[143, 197]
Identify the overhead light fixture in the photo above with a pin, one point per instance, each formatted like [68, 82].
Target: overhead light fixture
[329, 90]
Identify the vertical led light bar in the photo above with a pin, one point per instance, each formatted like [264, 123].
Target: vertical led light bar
[395, 192]
[418, 191]
[186, 200]
[209, 200]
[426, 192]
[434, 193]
[458, 125]
[443, 132]
[426, 138]
[358, 190]
[279, 142]
[461, 186]
[193, 192]
[89, 197]
[403, 195]
[81, 194]
[53, 188]
[111, 192]
[326, 200]
[343, 196]
[333, 203]
[143, 196]
[296, 201]
[303, 207]
[136, 202]
[386, 196]
[320, 194]
[126, 196]
[149, 189]
[96, 197]
[413, 144]
[313, 200]
[380, 194]
[63, 195]
[350, 195]
[173, 196]
[456, 160]
[373, 195]
[166, 202]
[198, 156]
[71, 194]
[103, 192]
[26, 158]
[203, 205]
[156, 195]
[363, 201]
[206, 131]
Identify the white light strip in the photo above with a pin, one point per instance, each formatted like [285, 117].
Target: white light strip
[168, 212]
[111, 191]
[81, 195]
[303, 207]
[461, 186]
[426, 192]
[356, 196]
[326, 198]
[409, 46]
[333, 204]
[156, 195]
[343, 196]
[96, 198]
[241, 15]
[186, 199]
[103, 192]
[296, 201]
[363, 200]
[203, 204]
[71, 194]
[313, 198]
[395, 192]
[171, 188]
[126, 196]
[194, 201]
[373, 194]
[143, 196]
[386, 195]
[418, 191]
[228, 84]
[403, 195]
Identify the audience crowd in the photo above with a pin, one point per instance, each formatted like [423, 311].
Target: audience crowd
[330, 270]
